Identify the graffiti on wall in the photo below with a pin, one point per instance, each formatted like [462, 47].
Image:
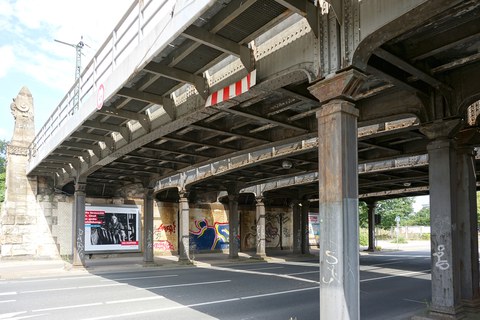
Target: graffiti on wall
[163, 236]
[209, 237]
[276, 229]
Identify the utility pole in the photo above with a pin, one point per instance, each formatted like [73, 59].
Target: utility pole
[78, 61]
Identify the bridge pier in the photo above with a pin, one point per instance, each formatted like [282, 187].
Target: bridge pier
[233, 222]
[148, 225]
[338, 196]
[183, 227]
[79, 224]
[467, 230]
[260, 221]
[304, 222]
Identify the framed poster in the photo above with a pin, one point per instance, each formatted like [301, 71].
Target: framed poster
[112, 229]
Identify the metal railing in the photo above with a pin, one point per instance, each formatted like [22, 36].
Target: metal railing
[141, 17]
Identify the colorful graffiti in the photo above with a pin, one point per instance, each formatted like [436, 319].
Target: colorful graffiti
[163, 245]
[167, 228]
[209, 237]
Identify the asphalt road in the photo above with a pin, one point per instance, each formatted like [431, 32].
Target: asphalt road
[393, 286]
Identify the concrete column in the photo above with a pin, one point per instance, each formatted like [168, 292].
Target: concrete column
[467, 227]
[79, 225]
[338, 205]
[260, 219]
[233, 223]
[304, 222]
[297, 227]
[444, 228]
[148, 225]
[371, 225]
[183, 227]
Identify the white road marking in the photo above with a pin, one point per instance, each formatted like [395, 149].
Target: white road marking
[69, 307]
[11, 314]
[305, 272]
[141, 278]
[285, 276]
[265, 268]
[184, 285]
[200, 304]
[135, 300]
[5, 301]
[11, 293]
[425, 272]
[416, 301]
[75, 288]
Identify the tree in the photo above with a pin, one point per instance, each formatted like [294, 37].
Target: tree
[390, 209]
[363, 214]
[421, 218]
[3, 156]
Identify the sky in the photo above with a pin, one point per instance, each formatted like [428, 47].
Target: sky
[30, 57]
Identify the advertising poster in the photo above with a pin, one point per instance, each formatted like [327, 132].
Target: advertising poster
[112, 228]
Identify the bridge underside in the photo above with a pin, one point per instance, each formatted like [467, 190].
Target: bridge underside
[410, 80]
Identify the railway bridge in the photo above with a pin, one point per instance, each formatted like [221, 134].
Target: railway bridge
[306, 104]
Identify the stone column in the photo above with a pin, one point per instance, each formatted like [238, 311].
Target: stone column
[183, 227]
[305, 238]
[444, 227]
[79, 225]
[297, 227]
[148, 225]
[260, 219]
[338, 201]
[467, 227]
[371, 225]
[233, 223]
[338, 195]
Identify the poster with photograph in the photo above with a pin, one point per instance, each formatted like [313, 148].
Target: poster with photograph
[112, 228]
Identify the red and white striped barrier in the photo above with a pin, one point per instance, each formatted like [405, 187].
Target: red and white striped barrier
[233, 90]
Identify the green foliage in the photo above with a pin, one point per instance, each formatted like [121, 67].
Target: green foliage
[363, 214]
[421, 218]
[363, 237]
[400, 240]
[389, 209]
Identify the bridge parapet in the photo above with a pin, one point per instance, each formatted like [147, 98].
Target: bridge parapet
[133, 39]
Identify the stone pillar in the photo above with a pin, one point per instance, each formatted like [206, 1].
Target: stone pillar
[297, 227]
[78, 240]
[260, 219]
[304, 222]
[148, 225]
[183, 227]
[371, 225]
[467, 228]
[444, 227]
[338, 195]
[338, 201]
[233, 223]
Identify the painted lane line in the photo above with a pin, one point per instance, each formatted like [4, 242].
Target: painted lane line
[75, 288]
[265, 268]
[305, 272]
[416, 301]
[285, 276]
[11, 314]
[69, 307]
[11, 293]
[422, 272]
[184, 285]
[5, 301]
[141, 278]
[135, 300]
[131, 314]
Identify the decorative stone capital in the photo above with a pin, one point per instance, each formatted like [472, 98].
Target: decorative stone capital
[439, 129]
[344, 86]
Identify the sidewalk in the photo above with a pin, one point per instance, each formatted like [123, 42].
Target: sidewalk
[23, 268]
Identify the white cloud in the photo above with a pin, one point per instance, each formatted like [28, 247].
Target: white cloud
[7, 60]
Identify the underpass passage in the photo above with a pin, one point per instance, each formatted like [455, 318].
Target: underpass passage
[302, 71]
[275, 290]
